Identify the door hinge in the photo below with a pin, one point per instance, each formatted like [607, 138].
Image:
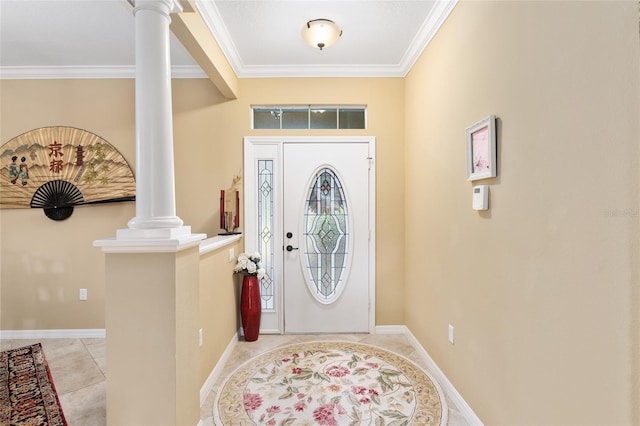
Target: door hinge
[370, 162]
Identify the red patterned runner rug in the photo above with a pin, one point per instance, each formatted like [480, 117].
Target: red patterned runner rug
[27, 393]
[330, 384]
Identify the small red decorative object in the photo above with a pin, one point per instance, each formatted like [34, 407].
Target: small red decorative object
[236, 219]
[250, 307]
[222, 224]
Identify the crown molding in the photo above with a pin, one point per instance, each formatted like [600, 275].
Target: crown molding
[214, 21]
[429, 28]
[88, 72]
[309, 71]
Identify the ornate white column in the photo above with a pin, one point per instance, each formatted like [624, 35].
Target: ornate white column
[155, 188]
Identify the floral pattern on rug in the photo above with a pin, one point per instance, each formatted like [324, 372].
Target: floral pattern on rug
[330, 384]
[27, 393]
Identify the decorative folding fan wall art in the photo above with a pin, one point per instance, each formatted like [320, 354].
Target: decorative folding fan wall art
[58, 168]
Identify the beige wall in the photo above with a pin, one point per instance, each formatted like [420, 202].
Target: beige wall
[219, 299]
[543, 288]
[44, 263]
[206, 160]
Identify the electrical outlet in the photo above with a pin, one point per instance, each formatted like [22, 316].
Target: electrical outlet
[200, 337]
[232, 254]
[451, 334]
[83, 294]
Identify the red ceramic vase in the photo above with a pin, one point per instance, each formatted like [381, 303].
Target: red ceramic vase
[250, 307]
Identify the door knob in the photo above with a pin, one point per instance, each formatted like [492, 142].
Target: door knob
[289, 235]
[291, 248]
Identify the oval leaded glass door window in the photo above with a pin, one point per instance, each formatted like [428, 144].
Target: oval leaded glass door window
[326, 235]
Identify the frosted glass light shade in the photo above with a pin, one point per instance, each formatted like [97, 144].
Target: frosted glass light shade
[321, 33]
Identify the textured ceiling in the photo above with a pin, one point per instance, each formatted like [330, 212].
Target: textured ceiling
[260, 38]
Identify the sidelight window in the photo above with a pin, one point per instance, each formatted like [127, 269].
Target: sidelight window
[265, 230]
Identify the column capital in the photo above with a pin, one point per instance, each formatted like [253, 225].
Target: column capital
[164, 7]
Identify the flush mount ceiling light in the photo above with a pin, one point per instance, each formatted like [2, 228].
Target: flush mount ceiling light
[321, 33]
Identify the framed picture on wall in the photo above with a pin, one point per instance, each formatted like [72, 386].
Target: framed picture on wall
[481, 149]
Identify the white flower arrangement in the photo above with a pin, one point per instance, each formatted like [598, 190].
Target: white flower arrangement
[249, 264]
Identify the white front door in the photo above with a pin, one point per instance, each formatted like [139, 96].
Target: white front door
[316, 195]
[326, 227]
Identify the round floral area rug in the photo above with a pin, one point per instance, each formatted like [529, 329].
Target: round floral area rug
[330, 384]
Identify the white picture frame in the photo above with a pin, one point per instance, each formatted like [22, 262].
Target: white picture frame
[481, 149]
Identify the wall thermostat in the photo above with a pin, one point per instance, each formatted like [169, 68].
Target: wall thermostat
[481, 197]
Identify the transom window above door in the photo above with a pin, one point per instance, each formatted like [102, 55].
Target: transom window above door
[309, 117]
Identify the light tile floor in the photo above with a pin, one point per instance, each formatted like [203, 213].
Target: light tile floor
[78, 367]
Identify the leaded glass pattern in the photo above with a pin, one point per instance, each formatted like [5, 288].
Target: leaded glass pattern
[326, 236]
[265, 231]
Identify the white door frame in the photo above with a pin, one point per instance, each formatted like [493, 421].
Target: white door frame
[271, 147]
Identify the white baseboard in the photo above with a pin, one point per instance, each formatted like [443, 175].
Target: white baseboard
[264, 331]
[217, 369]
[455, 396]
[81, 333]
[391, 329]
